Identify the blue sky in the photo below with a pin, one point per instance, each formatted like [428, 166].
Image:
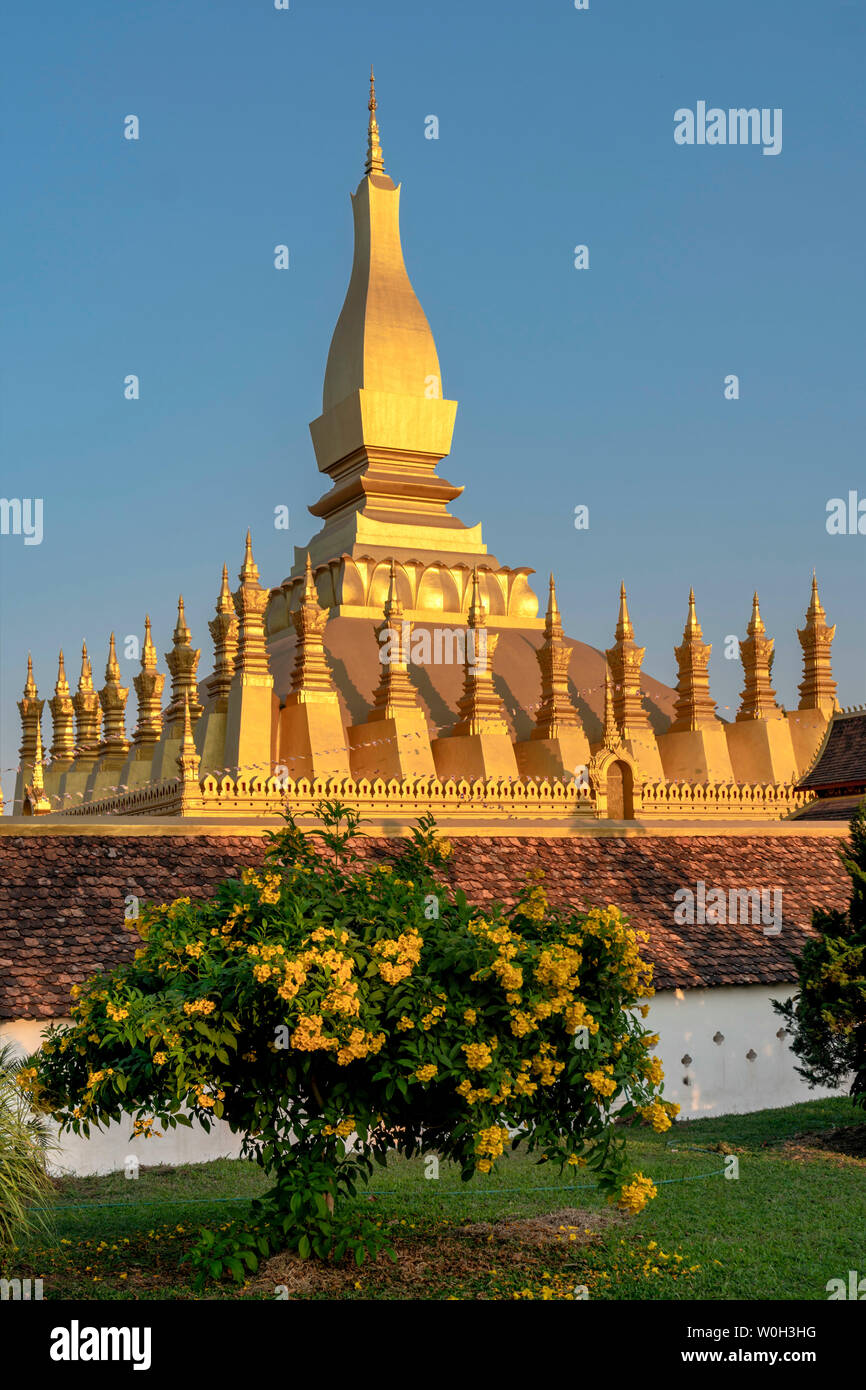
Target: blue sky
[602, 387]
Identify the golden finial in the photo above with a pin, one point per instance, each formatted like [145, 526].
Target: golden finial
[148, 651]
[30, 684]
[249, 569]
[85, 682]
[62, 686]
[610, 734]
[187, 759]
[375, 160]
[181, 632]
[624, 629]
[476, 607]
[37, 803]
[310, 591]
[552, 605]
[112, 670]
[756, 622]
[393, 606]
[224, 602]
[693, 627]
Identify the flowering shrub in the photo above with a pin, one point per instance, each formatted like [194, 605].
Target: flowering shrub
[827, 1016]
[325, 996]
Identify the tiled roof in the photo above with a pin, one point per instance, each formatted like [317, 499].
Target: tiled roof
[841, 765]
[62, 897]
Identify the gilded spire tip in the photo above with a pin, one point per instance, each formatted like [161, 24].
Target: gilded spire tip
[375, 160]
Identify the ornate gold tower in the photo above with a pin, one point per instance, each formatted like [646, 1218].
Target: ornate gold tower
[557, 746]
[384, 427]
[624, 660]
[694, 748]
[759, 740]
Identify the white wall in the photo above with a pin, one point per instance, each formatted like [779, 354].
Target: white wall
[106, 1149]
[721, 1078]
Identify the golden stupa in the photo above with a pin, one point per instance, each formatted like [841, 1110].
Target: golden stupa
[402, 668]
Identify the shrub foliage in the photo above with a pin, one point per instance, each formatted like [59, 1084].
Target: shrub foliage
[327, 996]
[827, 1017]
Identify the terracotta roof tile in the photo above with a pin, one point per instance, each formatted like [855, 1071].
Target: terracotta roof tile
[61, 897]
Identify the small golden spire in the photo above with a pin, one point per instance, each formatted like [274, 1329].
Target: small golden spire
[88, 714]
[311, 675]
[187, 759]
[553, 616]
[310, 591]
[624, 628]
[148, 651]
[181, 632]
[625, 659]
[395, 689]
[375, 160]
[85, 681]
[63, 743]
[610, 734]
[477, 616]
[30, 710]
[112, 670]
[758, 699]
[694, 707]
[36, 802]
[148, 689]
[62, 686]
[817, 688]
[182, 662]
[224, 631]
[555, 711]
[250, 601]
[693, 627]
[112, 699]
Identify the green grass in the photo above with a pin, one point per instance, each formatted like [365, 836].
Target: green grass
[787, 1226]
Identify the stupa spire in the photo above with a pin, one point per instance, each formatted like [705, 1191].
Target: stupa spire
[610, 733]
[311, 676]
[556, 712]
[148, 689]
[224, 631]
[112, 699]
[480, 708]
[250, 601]
[37, 803]
[187, 759]
[30, 710]
[758, 698]
[395, 689]
[182, 662]
[694, 707]
[62, 716]
[817, 688]
[85, 702]
[624, 660]
[375, 160]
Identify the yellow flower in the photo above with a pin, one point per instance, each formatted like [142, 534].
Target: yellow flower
[426, 1073]
[478, 1056]
[160, 1058]
[470, 1016]
[635, 1195]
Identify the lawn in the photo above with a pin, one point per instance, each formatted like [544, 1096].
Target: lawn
[794, 1219]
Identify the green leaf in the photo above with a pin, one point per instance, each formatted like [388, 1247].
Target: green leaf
[304, 1247]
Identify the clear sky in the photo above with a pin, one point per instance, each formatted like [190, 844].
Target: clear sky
[602, 387]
